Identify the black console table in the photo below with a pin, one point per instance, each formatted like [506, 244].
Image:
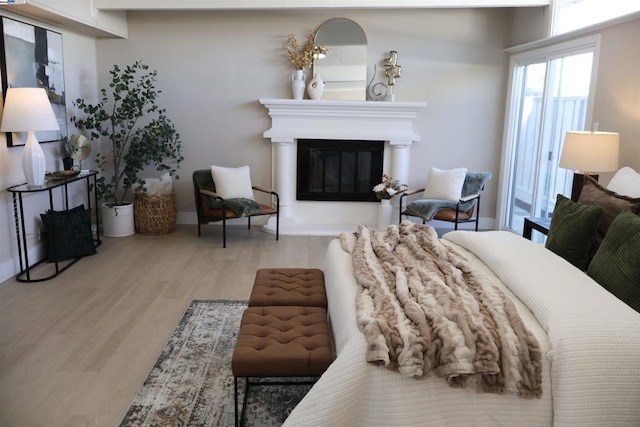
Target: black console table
[18, 211]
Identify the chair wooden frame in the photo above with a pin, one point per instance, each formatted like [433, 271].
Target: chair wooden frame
[207, 215]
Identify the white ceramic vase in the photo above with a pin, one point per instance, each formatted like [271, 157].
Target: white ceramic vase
[385, 213]
[117, 221]
[315, 87]
[298, 84]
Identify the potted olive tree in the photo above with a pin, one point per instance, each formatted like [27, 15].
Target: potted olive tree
[139, 135]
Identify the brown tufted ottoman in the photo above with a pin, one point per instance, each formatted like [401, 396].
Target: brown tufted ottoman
[288, 286]
[280, 341]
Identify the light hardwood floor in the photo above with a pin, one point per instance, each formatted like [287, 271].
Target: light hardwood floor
[74, 350]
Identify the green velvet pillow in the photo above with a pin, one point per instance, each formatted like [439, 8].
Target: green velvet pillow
[572, 232]
[69, 233]
[616, 264]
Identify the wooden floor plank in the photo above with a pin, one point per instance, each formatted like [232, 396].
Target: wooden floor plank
[74, 350]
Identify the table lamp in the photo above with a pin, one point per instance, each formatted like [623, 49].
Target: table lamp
[589, 152]
[28, 109]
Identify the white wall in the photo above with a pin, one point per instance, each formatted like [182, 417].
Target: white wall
[213, 67]
[617, 97]
[80, 81]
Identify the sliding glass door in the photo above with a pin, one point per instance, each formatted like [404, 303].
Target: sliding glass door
[549, 96]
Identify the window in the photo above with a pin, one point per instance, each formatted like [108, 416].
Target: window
[570, 15]
[549, 95]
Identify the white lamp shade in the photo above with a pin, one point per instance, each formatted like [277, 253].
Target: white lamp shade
[27, 109]
[590, 151]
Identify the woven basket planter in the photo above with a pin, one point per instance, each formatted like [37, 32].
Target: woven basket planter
[154, 213]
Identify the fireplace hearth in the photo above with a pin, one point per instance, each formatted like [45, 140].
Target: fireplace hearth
[386, 124]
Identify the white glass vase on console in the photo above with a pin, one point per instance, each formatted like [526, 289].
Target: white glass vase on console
[298, 84]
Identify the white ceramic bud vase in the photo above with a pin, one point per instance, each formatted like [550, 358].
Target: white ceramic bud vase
[315, 87]
[385, 214]
[298, 83]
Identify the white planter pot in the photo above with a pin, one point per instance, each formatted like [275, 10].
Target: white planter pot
[117, 221]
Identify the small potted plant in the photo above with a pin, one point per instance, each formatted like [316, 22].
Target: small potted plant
[139, 134]
[388, 188]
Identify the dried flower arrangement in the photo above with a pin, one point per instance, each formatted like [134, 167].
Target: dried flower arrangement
[388, 187]
[302, 55]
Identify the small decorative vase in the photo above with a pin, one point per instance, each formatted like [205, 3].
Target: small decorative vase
[385, 211]
[297, 84]
[315, 87]
[67, 163]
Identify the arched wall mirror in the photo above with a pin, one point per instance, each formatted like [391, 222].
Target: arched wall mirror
[344, 67]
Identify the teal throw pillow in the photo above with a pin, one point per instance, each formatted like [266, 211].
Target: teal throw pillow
[572, 232]
[616, 264]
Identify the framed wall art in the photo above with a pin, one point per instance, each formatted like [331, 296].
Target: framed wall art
[31, 56]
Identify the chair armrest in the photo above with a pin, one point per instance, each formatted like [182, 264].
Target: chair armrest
[414, 191]
[264, 190]
[211, 194]
[469, 197]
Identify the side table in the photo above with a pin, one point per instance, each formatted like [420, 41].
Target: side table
[18, 211]
[538, 224]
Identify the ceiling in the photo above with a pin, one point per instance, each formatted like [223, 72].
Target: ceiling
[305, 4]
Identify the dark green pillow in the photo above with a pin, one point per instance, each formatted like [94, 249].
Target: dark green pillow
[69, 233]
[572, 232]
[616, 264]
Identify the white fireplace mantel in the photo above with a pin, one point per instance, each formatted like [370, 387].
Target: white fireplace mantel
[391, 122]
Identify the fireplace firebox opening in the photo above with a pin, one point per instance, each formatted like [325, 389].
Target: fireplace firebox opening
[332, 170]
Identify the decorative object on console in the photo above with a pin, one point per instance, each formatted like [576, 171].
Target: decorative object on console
[315, 87]
[81, 146]
[393, 71]
[29, 110]
[588, 152]
[298, 79]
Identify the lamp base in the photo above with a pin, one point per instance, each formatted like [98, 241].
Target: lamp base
[578, 183]
[33, 161]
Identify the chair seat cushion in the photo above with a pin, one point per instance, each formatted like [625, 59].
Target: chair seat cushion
[450, 215]
[289, 286]
[282, 341]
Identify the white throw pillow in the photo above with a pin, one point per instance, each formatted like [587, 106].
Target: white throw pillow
[626, 182]
[445, 184]
[232, 182]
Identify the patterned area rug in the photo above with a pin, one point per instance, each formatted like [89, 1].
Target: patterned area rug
[191, 383]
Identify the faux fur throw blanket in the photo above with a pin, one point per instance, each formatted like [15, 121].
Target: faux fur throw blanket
[423, 311]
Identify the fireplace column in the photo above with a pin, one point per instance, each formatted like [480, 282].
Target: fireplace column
[283, 173]
[399, 160]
